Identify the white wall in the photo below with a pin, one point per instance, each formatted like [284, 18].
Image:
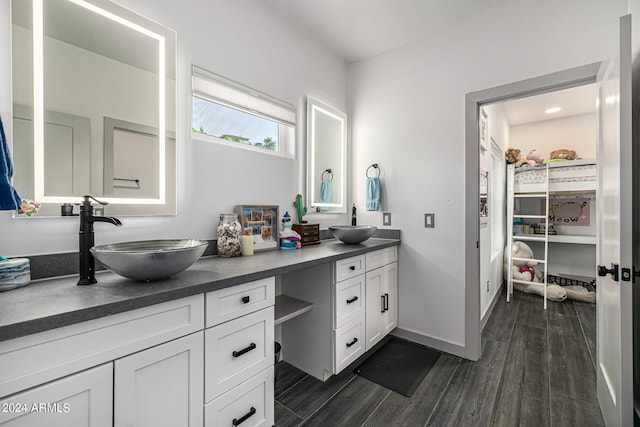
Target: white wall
[576, 133]
[407, 114]
[245, 41]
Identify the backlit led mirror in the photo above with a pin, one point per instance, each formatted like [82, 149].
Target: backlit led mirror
[326, 157]
[93, 106]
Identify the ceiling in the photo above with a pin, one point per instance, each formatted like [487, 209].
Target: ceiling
[359, 29]
[573, 101]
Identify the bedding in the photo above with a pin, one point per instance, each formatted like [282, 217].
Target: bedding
[537, 174]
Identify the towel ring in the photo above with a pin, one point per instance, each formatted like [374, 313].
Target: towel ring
[330, 175]
[376, 167]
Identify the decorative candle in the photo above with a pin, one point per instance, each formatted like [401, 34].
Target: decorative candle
[246, 245]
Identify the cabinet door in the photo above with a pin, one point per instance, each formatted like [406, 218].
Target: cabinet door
[375, 307]
[389, 290]
[80, 400]
[161, 386]
[382, 302]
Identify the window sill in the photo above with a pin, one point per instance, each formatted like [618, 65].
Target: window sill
[214, 139]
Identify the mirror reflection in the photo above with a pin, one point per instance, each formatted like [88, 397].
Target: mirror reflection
[94, 106]
[326, 157]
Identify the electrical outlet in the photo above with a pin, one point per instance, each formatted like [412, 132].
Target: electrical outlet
[429, 220]
[386, 218]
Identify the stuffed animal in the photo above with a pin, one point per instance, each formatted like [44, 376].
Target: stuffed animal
[514, 156]
[533, 155]
[564, 154]
[523, 270]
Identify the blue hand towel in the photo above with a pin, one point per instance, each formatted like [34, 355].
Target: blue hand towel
[326, 194]
[9, 198]
[373, 193]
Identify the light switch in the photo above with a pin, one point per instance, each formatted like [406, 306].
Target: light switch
[386, 218]
[429, 220]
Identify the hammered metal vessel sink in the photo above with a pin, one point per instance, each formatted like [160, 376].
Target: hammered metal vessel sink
[150, 260]
[352, 234]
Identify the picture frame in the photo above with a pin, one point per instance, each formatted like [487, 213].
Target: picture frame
[484, 196]
[483, 130]
[261, 222]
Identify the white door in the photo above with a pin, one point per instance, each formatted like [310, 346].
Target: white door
[389, 290]
[374, 307]
[614, 249]
[79, 400]
[161, 386]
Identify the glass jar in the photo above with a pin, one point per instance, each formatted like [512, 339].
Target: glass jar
[229, 231]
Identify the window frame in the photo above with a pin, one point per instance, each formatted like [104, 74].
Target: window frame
[222, 91]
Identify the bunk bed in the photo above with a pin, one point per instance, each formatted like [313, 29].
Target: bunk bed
[545, 183]
[566, 177]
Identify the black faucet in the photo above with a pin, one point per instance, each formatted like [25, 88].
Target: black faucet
[87, 262]
[354, 219]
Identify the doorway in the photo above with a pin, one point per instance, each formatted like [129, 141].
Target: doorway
[571, 78]
[563, 122]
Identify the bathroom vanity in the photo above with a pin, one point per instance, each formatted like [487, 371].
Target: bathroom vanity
[196, 349]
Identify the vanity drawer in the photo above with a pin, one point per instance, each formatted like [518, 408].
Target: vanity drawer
[235, 301]
[250, 404]
[349, 341]
[349, 300]
[349, 267]
[381, 257]
[237, 350]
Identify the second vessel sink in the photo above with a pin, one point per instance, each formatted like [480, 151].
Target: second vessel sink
[149, 260]
[352, 234]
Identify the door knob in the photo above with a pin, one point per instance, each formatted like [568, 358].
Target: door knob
[603, 271]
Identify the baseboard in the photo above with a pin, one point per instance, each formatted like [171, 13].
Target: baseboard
[437, 344]
[485, 319]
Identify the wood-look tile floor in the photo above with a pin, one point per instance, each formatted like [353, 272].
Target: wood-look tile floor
[537, 369]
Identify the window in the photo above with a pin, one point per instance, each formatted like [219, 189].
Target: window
[227, 112]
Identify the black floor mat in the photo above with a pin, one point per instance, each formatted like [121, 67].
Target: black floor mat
[398, 365]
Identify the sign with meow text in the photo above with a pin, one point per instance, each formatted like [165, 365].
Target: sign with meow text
[573, 211]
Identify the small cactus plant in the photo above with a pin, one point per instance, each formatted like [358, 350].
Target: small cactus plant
[302, 210]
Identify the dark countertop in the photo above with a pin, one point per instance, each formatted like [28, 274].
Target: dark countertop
[52, 303]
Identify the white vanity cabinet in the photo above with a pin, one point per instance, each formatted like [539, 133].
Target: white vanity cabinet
[354, 306]
[239, 355]
[142, 367]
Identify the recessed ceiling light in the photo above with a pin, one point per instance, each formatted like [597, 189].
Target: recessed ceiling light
[552, 110]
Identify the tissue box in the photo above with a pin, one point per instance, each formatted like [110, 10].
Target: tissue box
[14, 273]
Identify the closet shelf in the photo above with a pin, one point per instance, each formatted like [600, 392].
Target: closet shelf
[565, 238]
[528, 237]
[559, 238]
[539, 261]
[288, 307]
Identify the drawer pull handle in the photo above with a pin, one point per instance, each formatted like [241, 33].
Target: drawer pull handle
[354, 299]
[237, 422]
[244, 350]
[246, 299]
[352, 267]
[386, 302]
[382, 307]
[349, 344]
